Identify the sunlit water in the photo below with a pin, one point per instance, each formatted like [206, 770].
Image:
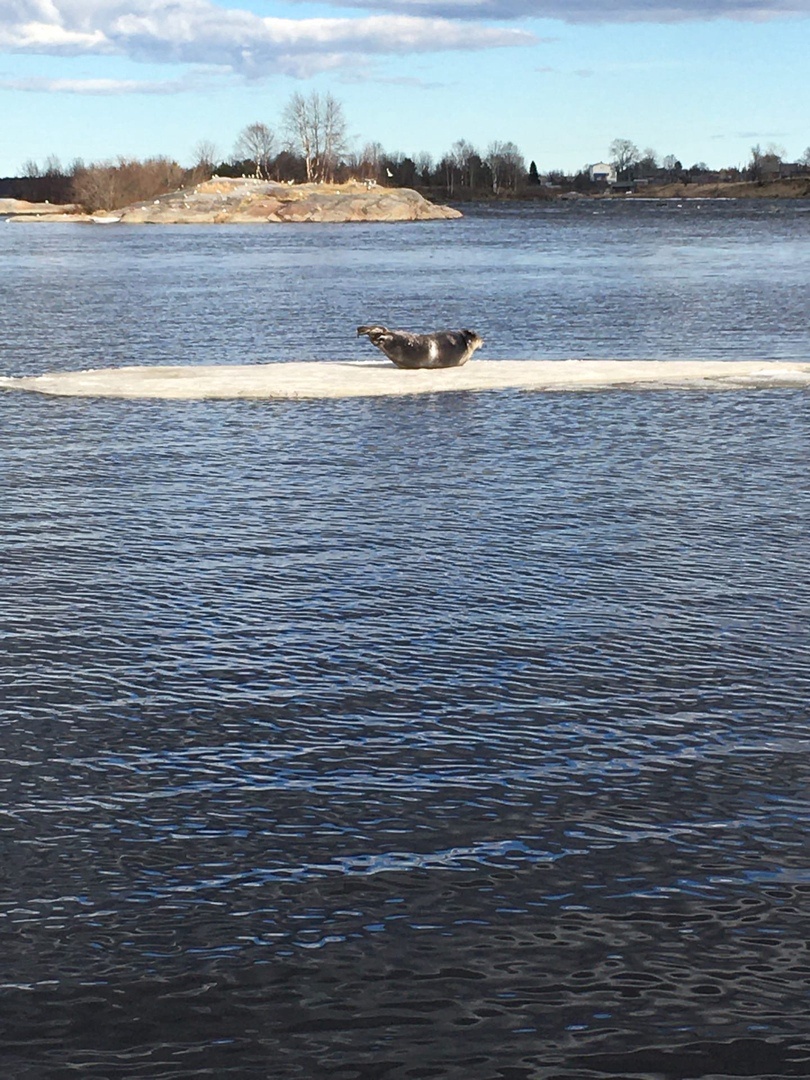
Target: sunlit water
[461, 736]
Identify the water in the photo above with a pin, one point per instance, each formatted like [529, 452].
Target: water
[641, 280]
[463, 736]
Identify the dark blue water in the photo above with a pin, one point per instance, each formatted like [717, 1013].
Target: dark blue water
[461, 736]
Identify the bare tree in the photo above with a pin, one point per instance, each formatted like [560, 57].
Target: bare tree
[465, 158]
[50, 182]
[334, 137]
[298, 126]
[671, 164]
[371, 161]
[507, 165]
[111, 185]
[424, 166]
[497, 165]
[755, 164]
[766, 164]
[805, 158]
[316, 128]
[647, 164]
[623, 154]
[256, 143]
[205, 155]
[449, 168]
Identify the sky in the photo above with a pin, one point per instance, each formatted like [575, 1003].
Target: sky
[704, 80]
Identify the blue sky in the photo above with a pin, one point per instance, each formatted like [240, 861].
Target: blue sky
[704, 80]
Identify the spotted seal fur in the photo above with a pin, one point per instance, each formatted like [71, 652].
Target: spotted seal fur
[447, 348]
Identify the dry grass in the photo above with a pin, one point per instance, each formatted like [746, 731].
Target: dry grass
[796, 188]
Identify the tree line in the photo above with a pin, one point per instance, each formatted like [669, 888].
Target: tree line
[311, 144]
[632, 164]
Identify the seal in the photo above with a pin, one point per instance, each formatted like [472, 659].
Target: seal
[447, 348]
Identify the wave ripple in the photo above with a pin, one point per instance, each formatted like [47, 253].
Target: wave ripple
[452, 737]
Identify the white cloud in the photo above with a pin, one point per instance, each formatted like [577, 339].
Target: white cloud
[199, 32]
[408, 81]
[104, 87]
[51, 38]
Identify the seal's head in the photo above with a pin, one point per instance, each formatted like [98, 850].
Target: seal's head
[474, 341]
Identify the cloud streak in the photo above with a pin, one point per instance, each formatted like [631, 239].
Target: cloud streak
[98, 87]
[200, 32]
[594, 11]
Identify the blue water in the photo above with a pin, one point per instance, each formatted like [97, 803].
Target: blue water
[603, 279]
[462, 736]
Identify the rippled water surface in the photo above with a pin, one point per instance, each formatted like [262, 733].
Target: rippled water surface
[655, 280]
[461, 736]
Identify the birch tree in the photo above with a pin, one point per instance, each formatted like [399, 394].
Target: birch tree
[316, 128]
[507, 165]
[256, 143]
[464, 156]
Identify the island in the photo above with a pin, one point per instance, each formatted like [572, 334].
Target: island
[245, 201]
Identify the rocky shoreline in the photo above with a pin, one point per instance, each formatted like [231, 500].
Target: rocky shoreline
[243, 201]
[222, 200]
[19, 208]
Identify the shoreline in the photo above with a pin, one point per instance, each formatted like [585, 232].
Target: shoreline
[739, 191]
[356, 379]
[249, 201]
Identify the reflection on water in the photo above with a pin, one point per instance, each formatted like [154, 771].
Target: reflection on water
[458, 737]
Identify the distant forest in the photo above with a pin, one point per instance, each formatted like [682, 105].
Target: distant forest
[311, 144]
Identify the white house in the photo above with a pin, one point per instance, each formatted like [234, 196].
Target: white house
[603, 173]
